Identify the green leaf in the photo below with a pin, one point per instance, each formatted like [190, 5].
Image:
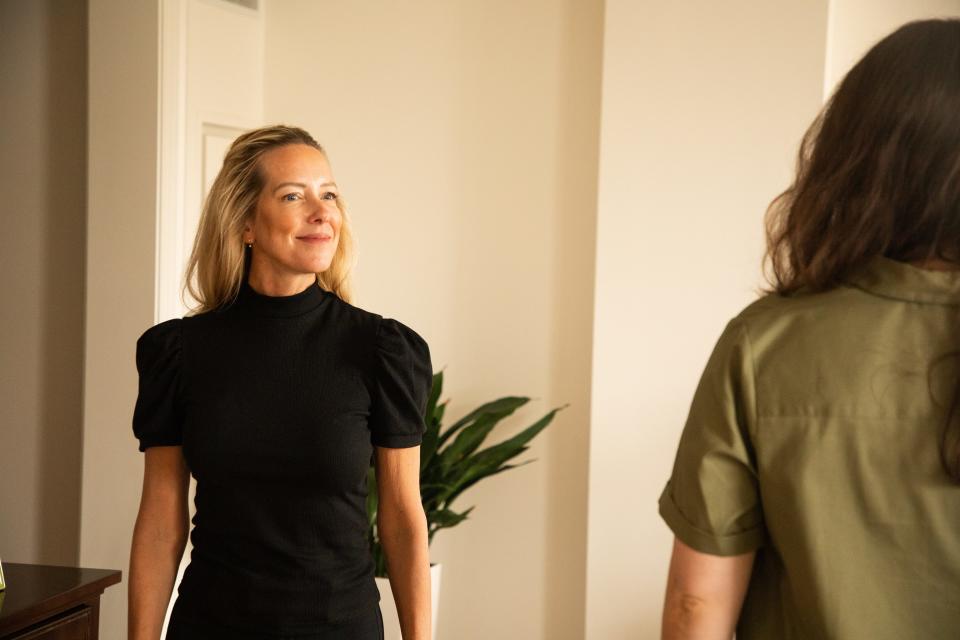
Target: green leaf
[429, 486]
[488, 461]
[474, 433]
[469, 439]
[478, 478]
[428, 447]
[447, 518]
[436, 388]
[526, 435]
[451, 463]
[429, 493]
[432, 417]
[508, 405]
[476, 468]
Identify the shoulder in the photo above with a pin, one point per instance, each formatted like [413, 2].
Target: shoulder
[159, 348]
[162, 336]
[804, 349]
[402, 369]
[395, 344]
[395, 337]
[776, 332]
[388, 333]
[774, 317]
[344, 313]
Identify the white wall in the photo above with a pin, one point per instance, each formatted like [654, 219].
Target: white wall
[464, 137]
[43, 178]
[703, 106]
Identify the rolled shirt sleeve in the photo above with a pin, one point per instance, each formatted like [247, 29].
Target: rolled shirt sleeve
[712, 499]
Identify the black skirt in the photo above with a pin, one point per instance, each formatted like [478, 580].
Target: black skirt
[368, 626]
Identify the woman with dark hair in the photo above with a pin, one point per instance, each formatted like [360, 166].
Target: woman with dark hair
[815, 489]
[275, 393]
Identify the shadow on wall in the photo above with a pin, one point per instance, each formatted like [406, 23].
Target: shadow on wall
[62, 321]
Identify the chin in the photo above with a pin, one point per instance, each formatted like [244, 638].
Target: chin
[319, 267]
[315, 264]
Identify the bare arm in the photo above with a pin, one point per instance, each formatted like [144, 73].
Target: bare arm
[704, 594]
[159, 538]
[402, 526]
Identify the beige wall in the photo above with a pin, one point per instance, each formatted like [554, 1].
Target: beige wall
[43, 95]
[120, 278]
[703, 106]
[703, 109]
[464, 138]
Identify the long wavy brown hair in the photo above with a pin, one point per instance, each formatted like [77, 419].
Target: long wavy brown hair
[878, 173]
[218, 262]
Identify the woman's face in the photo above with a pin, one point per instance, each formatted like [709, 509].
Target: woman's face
[295, 229]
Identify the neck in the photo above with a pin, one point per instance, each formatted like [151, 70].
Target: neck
[273, 284]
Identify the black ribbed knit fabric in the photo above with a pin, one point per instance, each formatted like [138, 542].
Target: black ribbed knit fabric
[277, 402]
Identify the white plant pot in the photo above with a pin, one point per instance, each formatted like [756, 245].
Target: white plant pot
[388, 608]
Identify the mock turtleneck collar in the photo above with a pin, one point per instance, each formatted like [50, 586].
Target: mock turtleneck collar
[280, 306]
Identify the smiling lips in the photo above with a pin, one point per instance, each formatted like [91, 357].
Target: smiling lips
[315, 237]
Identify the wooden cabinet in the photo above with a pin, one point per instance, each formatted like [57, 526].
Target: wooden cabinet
[52, 603]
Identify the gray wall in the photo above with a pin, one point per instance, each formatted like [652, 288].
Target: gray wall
[43, 99]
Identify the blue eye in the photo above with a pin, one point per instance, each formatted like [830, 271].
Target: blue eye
[329, 195]
[288, 195]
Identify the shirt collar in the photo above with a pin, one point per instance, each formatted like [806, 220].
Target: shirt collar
[901, 281]
[280, 306]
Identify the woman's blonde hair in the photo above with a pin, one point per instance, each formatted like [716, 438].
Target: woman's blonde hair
[218, 262]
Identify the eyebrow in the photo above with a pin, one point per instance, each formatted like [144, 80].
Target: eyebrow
[301, 185]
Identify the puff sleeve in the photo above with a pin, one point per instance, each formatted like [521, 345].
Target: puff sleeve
[158, 413]
[401, 385]
[712, 500]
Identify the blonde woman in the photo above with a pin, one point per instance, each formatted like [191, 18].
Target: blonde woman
[274, 393]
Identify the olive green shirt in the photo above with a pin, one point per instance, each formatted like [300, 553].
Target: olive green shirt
[813, 438]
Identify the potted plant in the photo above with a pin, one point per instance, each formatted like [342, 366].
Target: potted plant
[451, 461]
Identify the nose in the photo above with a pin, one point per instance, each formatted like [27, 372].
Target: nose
[320, 211]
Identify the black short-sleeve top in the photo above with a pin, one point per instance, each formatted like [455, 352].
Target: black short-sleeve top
[277, 403]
